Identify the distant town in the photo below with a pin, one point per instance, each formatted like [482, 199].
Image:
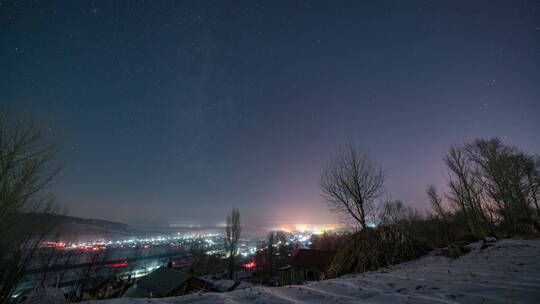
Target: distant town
[131, 258]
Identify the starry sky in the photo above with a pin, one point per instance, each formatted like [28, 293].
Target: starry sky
[173, 112]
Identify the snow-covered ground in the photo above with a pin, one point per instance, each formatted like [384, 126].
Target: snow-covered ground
[508, 272]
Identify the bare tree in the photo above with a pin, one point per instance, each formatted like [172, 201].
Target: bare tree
[351, 184]
[442, 217]
[502, 170]
[436, 201]
[53, 263]
[466, 190]
[27, 168]
[275, 255]
[393, 213]
[90, 274]
[64, 268]
[493, 186]
[233, 230]
[532, 173]
[270, 255]
[48, 258]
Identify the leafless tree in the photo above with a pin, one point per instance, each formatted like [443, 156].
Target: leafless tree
[532, 173]
[271, 244]
[91, 272]
[393, 213]
[351, 184]
[27, 168]
[466, 190]
[275, 254]
[233, 231]
[503, 173]
[53, 263]
[442, 217]
[436, 201]
[493, 186]
[47, 258]
[68, 259]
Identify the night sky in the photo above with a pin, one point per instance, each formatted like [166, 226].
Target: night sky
[177, 111]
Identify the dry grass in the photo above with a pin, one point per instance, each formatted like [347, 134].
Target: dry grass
[372, 249]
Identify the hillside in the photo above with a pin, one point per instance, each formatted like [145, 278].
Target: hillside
[72, 228]
[507, 272]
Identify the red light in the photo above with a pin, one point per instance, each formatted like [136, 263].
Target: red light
[118, 265]
[250, 265]
[146, 246]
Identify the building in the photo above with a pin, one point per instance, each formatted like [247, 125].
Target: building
[166, 282]
[306, 265]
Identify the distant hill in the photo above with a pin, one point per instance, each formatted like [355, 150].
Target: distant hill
[77, 228]
[72, 228]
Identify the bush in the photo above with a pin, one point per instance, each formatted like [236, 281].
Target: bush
[329, 241]
[371, 249]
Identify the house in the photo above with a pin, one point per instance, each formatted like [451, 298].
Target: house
[306, 265]
[166, 282]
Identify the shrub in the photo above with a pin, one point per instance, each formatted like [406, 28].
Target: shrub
[371, 249]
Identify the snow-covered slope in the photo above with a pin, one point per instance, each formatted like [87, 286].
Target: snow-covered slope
[508, 272]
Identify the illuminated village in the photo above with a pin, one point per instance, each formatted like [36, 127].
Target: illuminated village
[128, 260]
